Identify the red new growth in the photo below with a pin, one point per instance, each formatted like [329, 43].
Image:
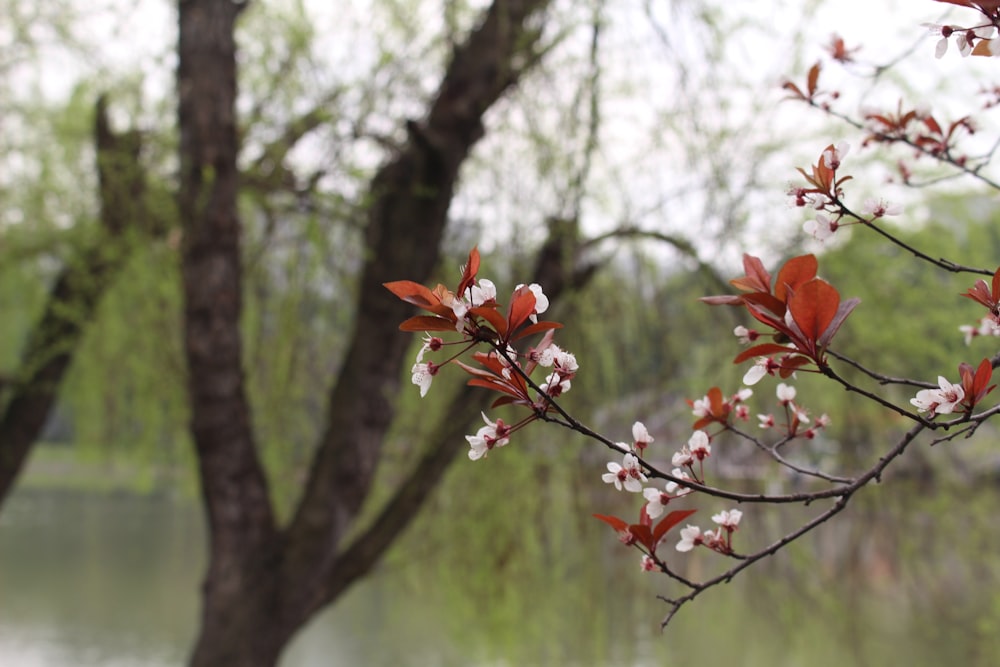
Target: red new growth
[643, 533]
[987, 295]
[804, 311]
[974, 383]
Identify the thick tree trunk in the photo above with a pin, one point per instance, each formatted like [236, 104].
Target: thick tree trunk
[264, 583]
[72, 301]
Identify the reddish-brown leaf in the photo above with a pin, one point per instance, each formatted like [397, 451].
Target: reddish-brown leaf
[791, 364]
[613, 521]
[522, 304]
[843, 310]
[796, 271]
[427, 323]
[491, 315]
[703, 422]
[669, 521]
[643, 534]
[412, 292]
[982, 378]
[767, 301]
[715, 400]
[757, 279]
[536, 328]
[813, 306]
[813, 79]
[469, 272]
[762, 350]
[723, 300]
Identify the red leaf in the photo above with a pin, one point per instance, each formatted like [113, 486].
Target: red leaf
[813, 307]
[469, 272]
[643, 535]
[613, 521]
[843, 310]
[522, 304]
[757, 279]
[791, 364]
[535, 328]
[996, 286]
[715, 401]
[703, 422]
[427, 323]
[491, 315]
[795, 272]
[762, 350]
[983, 375]
[669, 521]
[813, 78]
[723, 300]
[412, 292]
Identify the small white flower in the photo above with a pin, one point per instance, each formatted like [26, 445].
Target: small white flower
[676, 489]
[702, 407]
[493, 434]
[483, 292]
[422, 374]
[880, 207]
[728, 519]
[641, 436]
[833, 157]
[757, 371]
[941, 401]
[628, 474]
[786, 393]
[656, 500]
[556, 385]
[541, 301]
[822, 228]
[699, 445]
[690, 537]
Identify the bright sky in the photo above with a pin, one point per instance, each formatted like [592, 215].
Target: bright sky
[130, 34]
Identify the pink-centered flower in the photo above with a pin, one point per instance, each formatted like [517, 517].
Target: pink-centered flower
[745, 336]
[822, 228]
[832, 157]
[878, 208]
[728, 519]
[675, 489]
[640, 436]
[648, 564]
[761, 367]
[941, 401]
[628, 474]
[422, 374]
[786, 393]
[690, 538]
[493, 434]
[699, 445]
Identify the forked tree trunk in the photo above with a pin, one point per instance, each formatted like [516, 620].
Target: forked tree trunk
[265, 582]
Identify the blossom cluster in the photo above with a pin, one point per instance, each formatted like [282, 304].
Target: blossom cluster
[796, 416]
[473, 312]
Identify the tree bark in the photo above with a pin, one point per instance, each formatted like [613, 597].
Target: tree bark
[263, 583]
[72, 300]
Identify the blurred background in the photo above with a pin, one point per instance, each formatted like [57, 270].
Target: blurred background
[656, 137]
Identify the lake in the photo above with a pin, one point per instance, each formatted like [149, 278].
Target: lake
[110, 580]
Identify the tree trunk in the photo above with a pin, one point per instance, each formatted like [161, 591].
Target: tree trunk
[264, 583]
[72, 300]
